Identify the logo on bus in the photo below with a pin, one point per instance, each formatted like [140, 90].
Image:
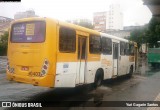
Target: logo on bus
[106, 62]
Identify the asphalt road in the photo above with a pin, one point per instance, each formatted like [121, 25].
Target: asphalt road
[140, 87]
[3, 63]
[137, 88]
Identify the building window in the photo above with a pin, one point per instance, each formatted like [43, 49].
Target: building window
[106, 46]
[67, 40]
[95, 44]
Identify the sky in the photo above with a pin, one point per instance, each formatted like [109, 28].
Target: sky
[134, 12]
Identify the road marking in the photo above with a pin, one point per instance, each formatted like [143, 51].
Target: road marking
[155, 108]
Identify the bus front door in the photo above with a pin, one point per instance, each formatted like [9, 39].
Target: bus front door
[82, 56]
[115, 59]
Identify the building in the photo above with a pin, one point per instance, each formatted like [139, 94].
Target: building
[4, 24]
[109, 20]
[114, 19]
[78, 20]
[5, 19]
[130, 28]
[99, 21]
[26, 14]
[120, 33]
[126, 32]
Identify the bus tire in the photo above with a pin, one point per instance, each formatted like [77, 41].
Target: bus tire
[98, 78]
[131, 71]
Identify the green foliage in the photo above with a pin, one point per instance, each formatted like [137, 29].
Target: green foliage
[138, 35]
[3, 44]
[83, 23]
[153, 33]
[150, 33]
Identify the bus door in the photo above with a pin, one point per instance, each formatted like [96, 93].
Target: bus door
[82, 57]
[123, 59]
[115, 59]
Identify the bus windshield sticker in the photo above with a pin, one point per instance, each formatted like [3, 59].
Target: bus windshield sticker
[30, 29]
[19, 29]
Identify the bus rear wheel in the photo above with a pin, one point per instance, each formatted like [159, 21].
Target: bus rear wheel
[131, 71]
[98, 79]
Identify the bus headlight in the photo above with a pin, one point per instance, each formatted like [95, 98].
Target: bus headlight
[45, 67]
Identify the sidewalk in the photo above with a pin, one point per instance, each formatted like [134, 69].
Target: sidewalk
[3, 63]
[3, 57]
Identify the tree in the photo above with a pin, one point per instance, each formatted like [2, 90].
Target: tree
[153, 32]
[4, 43]
[148, 34]
[82, 22]
[138, 35]
[85, 24]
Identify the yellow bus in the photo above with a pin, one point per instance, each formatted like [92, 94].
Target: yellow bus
[47, 52]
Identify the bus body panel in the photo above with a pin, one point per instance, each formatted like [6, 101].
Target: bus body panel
[32, 57]
[65, 74]
[153, 55]
[153, 58]
[106, 64]
[64, 69]
[124, 61]
[68, 65]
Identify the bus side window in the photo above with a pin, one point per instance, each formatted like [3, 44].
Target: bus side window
[122, 48]
[131, 49]
[67, 40]
[126, 49]
[95, 44]
[106, 46]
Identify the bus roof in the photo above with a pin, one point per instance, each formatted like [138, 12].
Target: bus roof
[114, 37]
[80, 28]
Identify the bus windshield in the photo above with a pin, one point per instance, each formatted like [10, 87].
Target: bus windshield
[28, 32]
[154, 50]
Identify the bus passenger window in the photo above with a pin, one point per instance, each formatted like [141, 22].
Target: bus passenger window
[131, 49]
[127, 49]
[122, 48]
[106, 46]
[115, 51]
[67, 40]
[95, 44]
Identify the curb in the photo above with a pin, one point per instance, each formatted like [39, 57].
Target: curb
[2, 71]
[3, 57]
